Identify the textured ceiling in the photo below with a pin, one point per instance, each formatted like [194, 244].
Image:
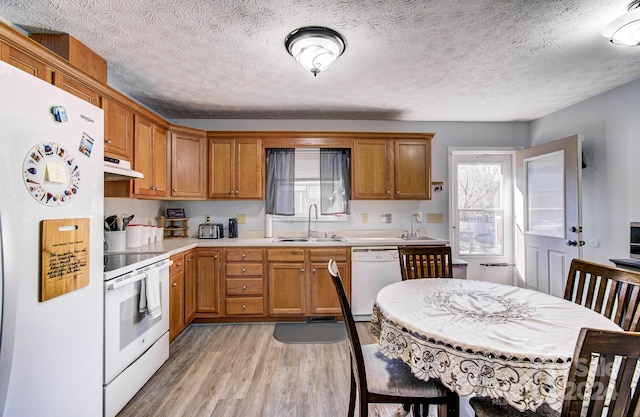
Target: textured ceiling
[448, 60]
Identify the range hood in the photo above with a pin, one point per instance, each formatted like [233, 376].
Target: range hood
[119, 170]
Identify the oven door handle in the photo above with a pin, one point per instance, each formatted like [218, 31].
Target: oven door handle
[125, 282]
[139, 277]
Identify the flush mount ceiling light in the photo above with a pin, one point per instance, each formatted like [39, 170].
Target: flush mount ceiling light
[315, 48]
[625, 30]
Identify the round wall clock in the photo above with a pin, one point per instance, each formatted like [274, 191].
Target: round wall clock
[51, 174]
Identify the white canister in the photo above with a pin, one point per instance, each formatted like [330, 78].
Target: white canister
[134, 235]
[116, 241]
[145, 234]
[159, 233]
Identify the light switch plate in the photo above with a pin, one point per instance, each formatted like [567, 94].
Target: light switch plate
[435, 218]
[365, 218]
[242, 218]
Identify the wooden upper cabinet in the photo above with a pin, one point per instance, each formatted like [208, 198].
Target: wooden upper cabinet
[187, 166]
[160, 161]
[372, 169]
[78, 89]
[25, 62]
[235, 168]
[150, 158]
[412, 171]
[118, 130]
[392, 169]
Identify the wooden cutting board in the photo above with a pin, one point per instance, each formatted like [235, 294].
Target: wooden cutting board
[64, 256]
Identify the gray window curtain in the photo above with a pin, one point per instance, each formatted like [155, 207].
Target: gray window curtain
[335, 185]
[281, 168]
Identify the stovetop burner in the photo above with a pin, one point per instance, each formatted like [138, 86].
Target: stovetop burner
[129, 261]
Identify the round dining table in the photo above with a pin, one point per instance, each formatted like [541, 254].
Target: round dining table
[482, 338]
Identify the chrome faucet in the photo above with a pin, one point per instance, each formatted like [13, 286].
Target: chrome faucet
[309, 230]
[413, 234]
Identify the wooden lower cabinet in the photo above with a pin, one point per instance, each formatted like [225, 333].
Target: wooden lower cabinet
[244, 282]
[190, 281]
[300, 284]
[223, 284]
[176, 297]
[208, 294]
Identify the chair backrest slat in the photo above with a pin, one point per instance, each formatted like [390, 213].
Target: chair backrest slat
[610, 291]
[425, 261]
[602, 374]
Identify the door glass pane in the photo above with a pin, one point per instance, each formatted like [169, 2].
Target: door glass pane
[480, 209]
[545, 195]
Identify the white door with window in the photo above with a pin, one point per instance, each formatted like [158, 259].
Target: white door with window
[548, 218]
[482, 212]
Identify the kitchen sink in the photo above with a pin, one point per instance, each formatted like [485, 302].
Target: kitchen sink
[328, 239]
[417, 238]
[306, 239]
[290, 239]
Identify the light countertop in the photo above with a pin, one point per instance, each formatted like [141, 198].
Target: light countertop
[177, 245]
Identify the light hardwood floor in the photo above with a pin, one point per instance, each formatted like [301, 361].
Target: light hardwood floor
[241, 370]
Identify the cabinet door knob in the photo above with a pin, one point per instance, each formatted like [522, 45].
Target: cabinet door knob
[179, 264]
[243, 255]
[244, 287]
[107, 141]
[237, 191]
[397, 192]
[215, 257]
[301, 269]
[244, 306]
[174, 284]
[244, 269]
[313, 270]
[189, 260]
[388, 191]
[175, 190]
[231, 192]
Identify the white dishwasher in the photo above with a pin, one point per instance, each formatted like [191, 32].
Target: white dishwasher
[372, 268]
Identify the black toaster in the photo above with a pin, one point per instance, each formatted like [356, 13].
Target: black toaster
[211, 231]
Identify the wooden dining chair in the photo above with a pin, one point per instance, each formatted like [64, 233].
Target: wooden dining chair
[425, 261]
[602, 380]
[610, 291]
[378, 379]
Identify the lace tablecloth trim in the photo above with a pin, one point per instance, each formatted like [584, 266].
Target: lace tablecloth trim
[524, 383]
[377, 319]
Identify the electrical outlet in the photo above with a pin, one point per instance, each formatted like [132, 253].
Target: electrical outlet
[365, 218]
[435, 218]
[242, 218]
[385, 218]
[207, 218]
[418, 217]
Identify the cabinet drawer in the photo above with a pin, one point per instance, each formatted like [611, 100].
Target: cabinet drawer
[178, 264]
[324, 254]
[245, 305]
[246, 255]
[244, 270]
[285, 255]
[247, 286]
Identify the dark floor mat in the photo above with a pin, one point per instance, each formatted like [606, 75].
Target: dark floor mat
[310, 332]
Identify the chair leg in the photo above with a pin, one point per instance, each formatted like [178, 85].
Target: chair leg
[451, 408]
[352, 395]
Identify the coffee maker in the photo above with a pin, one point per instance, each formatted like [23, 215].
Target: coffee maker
[233, 227]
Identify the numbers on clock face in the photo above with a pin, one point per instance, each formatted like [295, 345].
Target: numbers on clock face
[60, 163]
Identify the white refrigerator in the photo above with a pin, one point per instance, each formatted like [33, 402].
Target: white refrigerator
[51, 247]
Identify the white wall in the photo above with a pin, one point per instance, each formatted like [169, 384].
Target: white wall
[446, 134]
[611, 183]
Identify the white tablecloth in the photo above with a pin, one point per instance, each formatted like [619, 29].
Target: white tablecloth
[485, 339]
